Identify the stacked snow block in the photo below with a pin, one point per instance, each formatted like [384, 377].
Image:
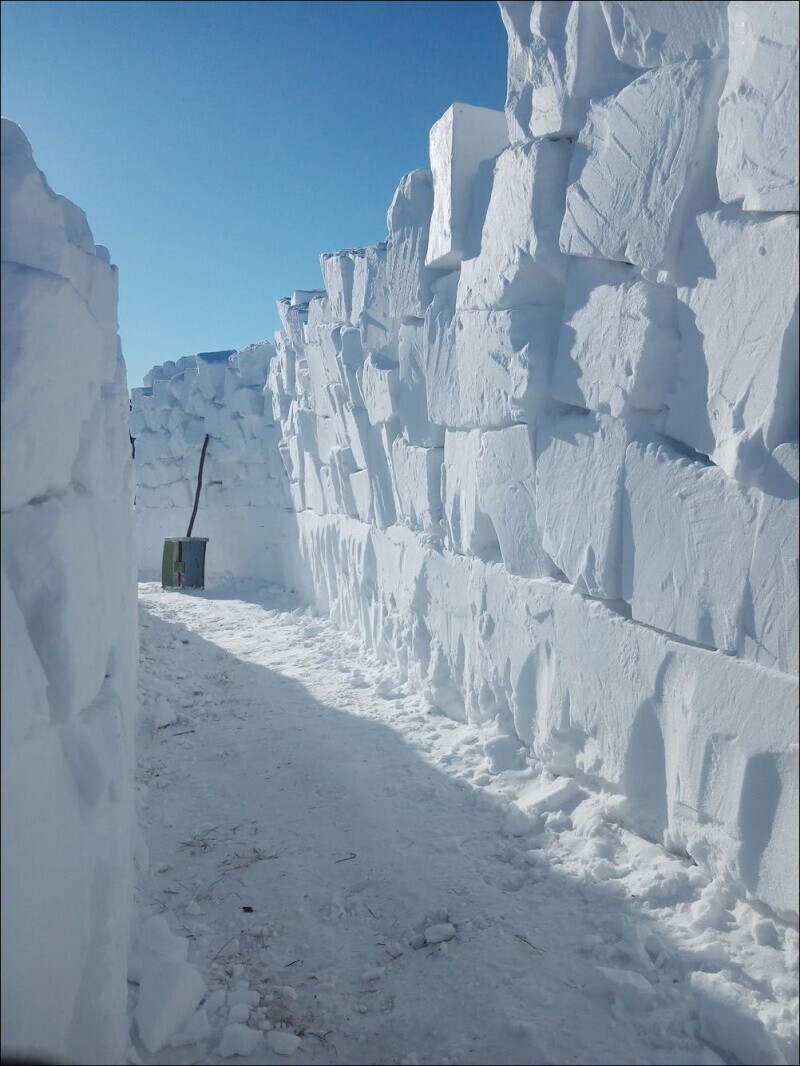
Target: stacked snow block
[244, 506]
[69, 645]
[542, 442]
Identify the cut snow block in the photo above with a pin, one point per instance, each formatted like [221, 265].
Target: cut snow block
[412, 203]
[417, 474]
[520, 261]
[491, 368]
[319, 310]
[253, 363]
[408, 222]
[293, 317]
[650, 33]
[370, 301]
[337, 270]
[169, 994]
[618, 342]
[688, 534]
[735, 392]
[507, 493]
[758, 139]
[772, 615]
[56, 358]
[412, 397]
[211, 367]
[580, 462]
[362, 495]
[459, 142]
[469, 529]
[644, 160]
[379, 381]
[559, 57]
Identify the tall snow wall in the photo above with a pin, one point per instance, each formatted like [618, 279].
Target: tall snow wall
[69, 643]
[542, 443]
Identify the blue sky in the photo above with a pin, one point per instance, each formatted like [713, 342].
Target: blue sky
[218, 148]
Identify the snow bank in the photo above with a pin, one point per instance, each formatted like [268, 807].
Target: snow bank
[541, 442]
[68, 629]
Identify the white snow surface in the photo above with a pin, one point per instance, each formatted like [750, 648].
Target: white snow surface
[68, 630]
[359, 878]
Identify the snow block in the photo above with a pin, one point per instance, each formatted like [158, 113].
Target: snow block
[650, 33]
[379, 383]
[460, 141]
[579, 471]
[559, 58]
[619, 339]
[468, 529]
[758, 140]
[370, 301]
[490, 369]
[519, 261]
[253, 362]
[735, 393]
[169, 994]
[337, 270]
[771, 625]
[412, 396]
[678, 513]
[507, 493]
[417, 479]
[408, 220]
[644, 160]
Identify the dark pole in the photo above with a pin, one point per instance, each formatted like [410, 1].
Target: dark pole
[199, 484]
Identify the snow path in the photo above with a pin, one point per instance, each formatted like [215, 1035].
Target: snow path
[300, 778]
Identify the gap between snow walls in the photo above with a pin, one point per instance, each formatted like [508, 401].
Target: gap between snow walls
[539, 448]
[69, 638]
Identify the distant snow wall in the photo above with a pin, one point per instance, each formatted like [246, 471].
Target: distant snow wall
[542, 442]
[244, 506]
[69, 645]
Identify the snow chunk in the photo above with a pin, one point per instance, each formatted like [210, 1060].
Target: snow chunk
[169, 994]
[439, 934]
[641, 158]
[675, 577]
[579, 468]
[559, 57]
[758, 140]
[519, 261]
[737, 365]
[488, 369]
[618, 341]
[240, 1040]
[649, 33]
[460, 140]
[282, 1043]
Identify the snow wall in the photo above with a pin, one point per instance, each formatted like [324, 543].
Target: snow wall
[542, 445]
[69, 643]
[244, 509]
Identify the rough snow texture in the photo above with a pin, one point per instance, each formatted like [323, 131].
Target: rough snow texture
[556, 485]
[68, 629]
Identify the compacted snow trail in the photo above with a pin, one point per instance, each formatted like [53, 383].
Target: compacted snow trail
[353, 870]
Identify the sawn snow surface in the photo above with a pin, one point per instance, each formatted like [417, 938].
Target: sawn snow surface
[308, 818]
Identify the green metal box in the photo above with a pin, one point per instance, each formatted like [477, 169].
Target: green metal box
[184, 563]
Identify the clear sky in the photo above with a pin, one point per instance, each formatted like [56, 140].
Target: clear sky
[218, 148]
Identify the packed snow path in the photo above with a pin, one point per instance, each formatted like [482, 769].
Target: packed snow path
[308, 819]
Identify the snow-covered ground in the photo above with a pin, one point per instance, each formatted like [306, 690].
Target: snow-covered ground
[346, 867]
